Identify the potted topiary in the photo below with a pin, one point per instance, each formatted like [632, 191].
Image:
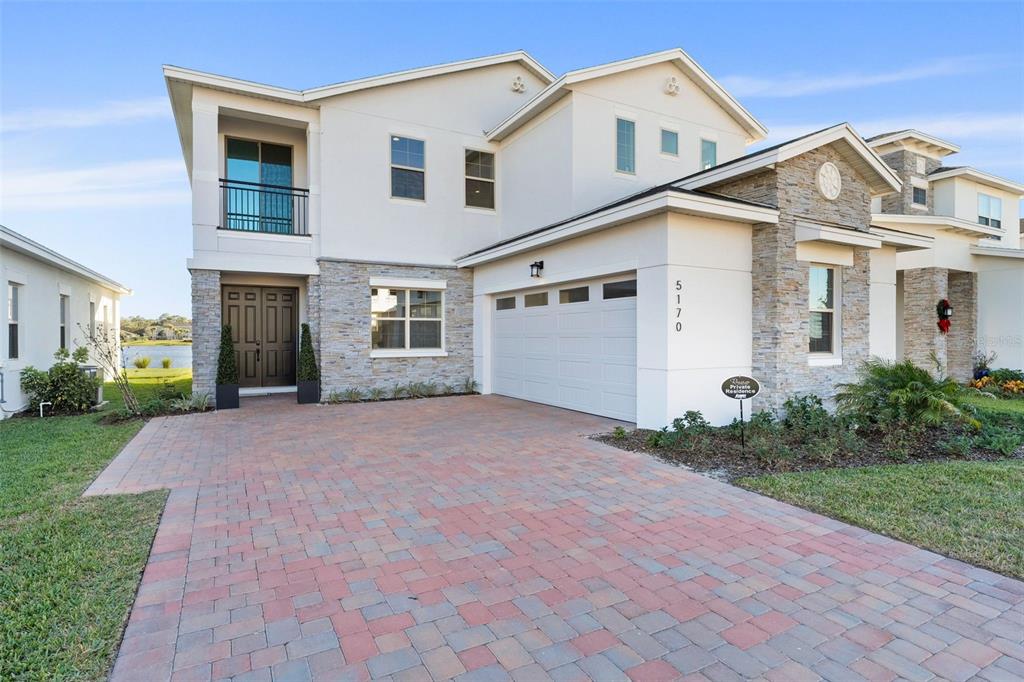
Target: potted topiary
[308, 373]
[227, 372]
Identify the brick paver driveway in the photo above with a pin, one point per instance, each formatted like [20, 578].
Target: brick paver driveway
[485, 537]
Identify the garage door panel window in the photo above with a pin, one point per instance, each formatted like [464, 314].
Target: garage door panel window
[508, 303]
[625, 289]
[408, 319]
[575, 295]
[535, 300]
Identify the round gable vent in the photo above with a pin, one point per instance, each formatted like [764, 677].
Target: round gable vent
[829, 181]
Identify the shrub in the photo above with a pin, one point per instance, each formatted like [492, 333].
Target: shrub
[308, 369]
[196, 402]
[377, 393]
[227, 366]
[957, 446]
[334, 397]
[166, 363]
[619, 433]
[469, 385]
[352, 395]
[167, 391]
[65, 385]
[1001, 376]
[900, 392]
[398, 391]
[141, 362]
[807, 415]
[998, 439]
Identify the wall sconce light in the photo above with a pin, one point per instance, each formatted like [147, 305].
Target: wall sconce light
[536, 267]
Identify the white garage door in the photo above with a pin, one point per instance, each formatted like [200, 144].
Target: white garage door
[572, 346]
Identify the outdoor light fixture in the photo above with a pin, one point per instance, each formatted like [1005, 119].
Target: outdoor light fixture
[535, 268]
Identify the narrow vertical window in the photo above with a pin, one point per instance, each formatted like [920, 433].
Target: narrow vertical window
[625, 146]
[920, 196]
[670, 142]
[408, 164]
[92, 319]
[990, 210]
[708, 154]
[479, 179]
[13, 294]
[822, 309]
[63, 321]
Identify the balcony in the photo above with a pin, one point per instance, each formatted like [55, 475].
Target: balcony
[268, 209]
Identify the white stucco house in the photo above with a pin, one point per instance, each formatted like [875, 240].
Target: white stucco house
[48, 300]
[601, 240]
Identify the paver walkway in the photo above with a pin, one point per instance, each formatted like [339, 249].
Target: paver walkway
[487, 538]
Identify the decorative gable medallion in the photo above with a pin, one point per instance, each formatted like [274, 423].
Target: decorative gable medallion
[672, 86]
[829, 181]
[518, 84]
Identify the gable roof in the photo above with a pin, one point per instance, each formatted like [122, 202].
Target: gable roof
[691, 69]
[881, 178]
[981, 177]
[927, 144]
[312, 95]
[18, 242]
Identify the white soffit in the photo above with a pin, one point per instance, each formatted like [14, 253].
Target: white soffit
[980, 177]
[903, 241]
[913, 140]
[882, 179]
[691, 69]
[900, 221]
[997, 252]
[816, 232]
[19, 243]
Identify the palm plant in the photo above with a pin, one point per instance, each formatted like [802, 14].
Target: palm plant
[889, 392]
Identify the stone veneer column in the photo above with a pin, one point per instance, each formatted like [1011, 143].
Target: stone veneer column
[313, 311]
[923, 288]
[962, 340]
[206, 326]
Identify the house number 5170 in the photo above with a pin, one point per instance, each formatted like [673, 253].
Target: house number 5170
[678, 316]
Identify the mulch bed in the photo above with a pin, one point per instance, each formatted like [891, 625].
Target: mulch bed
[724, 459]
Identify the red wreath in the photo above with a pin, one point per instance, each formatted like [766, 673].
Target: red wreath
[942, 310]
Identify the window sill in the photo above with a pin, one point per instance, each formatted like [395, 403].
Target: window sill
[408, 353]
[824, 361]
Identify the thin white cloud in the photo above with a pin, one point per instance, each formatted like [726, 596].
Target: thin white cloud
[957, 127]
[107, 113]
[800, 84]
[152, 182]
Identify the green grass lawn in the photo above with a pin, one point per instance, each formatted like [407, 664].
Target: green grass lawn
[69, 566]
[968, 510]
[149, 342]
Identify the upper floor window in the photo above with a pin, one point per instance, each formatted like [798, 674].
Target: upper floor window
[669, 142]
[479, 179]
[408, 164]
[259, 162]
[625, 146]
[920, 196]
[258, 192]
[13, 294]
[990, 210]
[406, 318]
[63, 321]
[708, 154]
[822, 308]
[92, 320]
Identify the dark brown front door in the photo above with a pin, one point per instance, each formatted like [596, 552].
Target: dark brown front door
[263, 321]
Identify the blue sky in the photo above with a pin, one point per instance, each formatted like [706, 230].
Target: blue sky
[91, 164]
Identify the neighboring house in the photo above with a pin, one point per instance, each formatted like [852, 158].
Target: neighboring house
[599, 241]
[48, 301]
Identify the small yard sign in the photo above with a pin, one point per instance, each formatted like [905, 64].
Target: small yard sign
[740, 388]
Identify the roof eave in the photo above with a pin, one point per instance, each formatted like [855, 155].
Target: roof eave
[33, 249]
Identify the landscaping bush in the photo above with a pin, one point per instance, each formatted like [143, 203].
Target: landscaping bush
[65, 385]
[307, 369]
[141, 362]
[166, 363]
[227, 367]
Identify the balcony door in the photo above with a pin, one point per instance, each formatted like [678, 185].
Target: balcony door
[263, 327]
[259, 196]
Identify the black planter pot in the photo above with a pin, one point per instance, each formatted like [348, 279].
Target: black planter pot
[227, 396]
[308, 392]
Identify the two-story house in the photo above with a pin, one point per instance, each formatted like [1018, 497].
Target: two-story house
[599, 241]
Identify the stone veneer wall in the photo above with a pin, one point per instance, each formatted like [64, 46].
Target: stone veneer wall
[206, 326]
[923, 288]
[344, 323]
[905, 164]
[313, 311]
[962, 340]
[781, 322]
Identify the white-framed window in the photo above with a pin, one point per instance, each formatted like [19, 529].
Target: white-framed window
[708, 154]
[479, 179]
[669, 142]
[13, 319]
[920, 196]
[625, 146]
[824, 306]
[408, 168]
[64, 303]
[92, 319]
[990, 210]
[406, 319]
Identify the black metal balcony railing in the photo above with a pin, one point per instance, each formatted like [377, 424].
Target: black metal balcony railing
[255, 207]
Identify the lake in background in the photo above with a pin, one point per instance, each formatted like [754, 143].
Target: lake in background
[181, 356]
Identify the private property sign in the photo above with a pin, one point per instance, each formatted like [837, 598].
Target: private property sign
[741, 387]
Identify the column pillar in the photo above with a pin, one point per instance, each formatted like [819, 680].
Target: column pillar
[206, 327]
[923, 288]
[962, 340]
